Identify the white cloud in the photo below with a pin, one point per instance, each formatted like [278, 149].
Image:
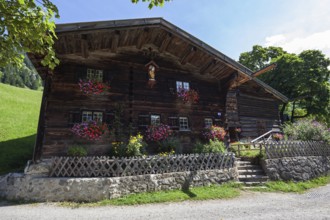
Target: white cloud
[293, 43]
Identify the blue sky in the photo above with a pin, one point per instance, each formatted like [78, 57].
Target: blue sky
[230, 26]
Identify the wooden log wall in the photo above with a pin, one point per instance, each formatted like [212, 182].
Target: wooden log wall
[232, 118]
[128, 89]
[258, 111]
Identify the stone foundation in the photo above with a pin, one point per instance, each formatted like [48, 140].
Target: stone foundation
[35, 186]
[296, 168]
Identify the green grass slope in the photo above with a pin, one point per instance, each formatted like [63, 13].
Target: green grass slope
[19, 112]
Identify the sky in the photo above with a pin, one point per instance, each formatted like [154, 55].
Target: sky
[230, 26]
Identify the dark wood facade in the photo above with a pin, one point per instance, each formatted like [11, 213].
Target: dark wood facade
[229, 95]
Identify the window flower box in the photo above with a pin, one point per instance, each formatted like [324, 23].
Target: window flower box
[93, 87]
[91, 130]
[188, 95]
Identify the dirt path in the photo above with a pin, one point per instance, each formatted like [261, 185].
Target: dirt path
[314, 204]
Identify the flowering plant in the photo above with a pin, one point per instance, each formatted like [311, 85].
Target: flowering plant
[215, 133]
[92, 87]
[135, 144]
[91, 130]
[238, 130]
[158, 132]
[190, 95]
[277, 137]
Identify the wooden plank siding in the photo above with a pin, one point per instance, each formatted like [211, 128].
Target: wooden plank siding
[65, 97]
[258, 111]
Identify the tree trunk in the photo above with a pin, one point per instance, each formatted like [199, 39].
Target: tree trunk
[282, 112]
[292, 112]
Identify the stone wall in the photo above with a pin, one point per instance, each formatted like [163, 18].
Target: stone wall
[34, 187]
[296, 168]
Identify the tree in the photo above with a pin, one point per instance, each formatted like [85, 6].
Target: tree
[152, 3]
[303, 78]
[26, 26]
[29, 27]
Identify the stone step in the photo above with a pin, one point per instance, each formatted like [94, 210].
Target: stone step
[252, 184]
[252, 178]
[249, 167]
[251, 172]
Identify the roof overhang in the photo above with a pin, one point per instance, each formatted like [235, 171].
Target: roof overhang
[173, 47]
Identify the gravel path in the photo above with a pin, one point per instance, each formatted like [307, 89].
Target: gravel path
[315, 204]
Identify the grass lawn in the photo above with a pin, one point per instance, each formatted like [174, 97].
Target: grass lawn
[19, 112]
[298, 187]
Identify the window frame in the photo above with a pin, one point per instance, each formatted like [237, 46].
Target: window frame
[157, 121]
[206, 124]
[182, 85]
[186, 127]
[94, 74]
[93, 112]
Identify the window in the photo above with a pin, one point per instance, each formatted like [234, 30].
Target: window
[183, 123]
[155, 119]
[92, 116]
[96, 75]
[182, 85]
[208, 122]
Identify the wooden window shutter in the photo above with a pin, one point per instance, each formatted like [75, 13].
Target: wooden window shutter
[81, 73]
[109, 118]
[173, 122]
[144, 120]
[74, 117]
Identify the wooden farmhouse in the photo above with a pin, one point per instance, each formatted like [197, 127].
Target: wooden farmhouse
[146, 62]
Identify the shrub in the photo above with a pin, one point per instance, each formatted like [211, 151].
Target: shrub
[307, 130]
[77, 151]
[215, 133]
[135, 145]
[118, 149]
[170, 144]
[165, 154]
[198, 147]
[214, 146]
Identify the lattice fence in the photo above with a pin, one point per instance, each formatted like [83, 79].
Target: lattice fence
[296, 148]
[115, 167]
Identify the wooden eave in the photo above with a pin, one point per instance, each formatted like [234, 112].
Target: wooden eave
[115, 41]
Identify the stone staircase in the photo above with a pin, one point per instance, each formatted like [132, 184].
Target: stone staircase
[249, 174]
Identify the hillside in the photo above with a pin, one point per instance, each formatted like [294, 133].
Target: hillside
[19, 112]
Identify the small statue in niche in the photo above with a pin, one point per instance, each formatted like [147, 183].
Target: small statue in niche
[152, 67]
[151, 72]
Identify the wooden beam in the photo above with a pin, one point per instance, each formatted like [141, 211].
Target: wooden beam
[165, 43]
[188, 55]
[229, 84]
[84, 46]
[115, 41]
[264, 70]
[208, 67]
[143, 38]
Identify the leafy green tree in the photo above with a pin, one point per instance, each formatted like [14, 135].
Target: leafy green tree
[27, 26]
[152, 3]
[303, 78]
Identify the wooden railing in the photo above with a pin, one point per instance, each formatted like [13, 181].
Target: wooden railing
[115, 167]
[295, 149]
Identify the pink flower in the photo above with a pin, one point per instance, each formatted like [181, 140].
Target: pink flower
[92, 87]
